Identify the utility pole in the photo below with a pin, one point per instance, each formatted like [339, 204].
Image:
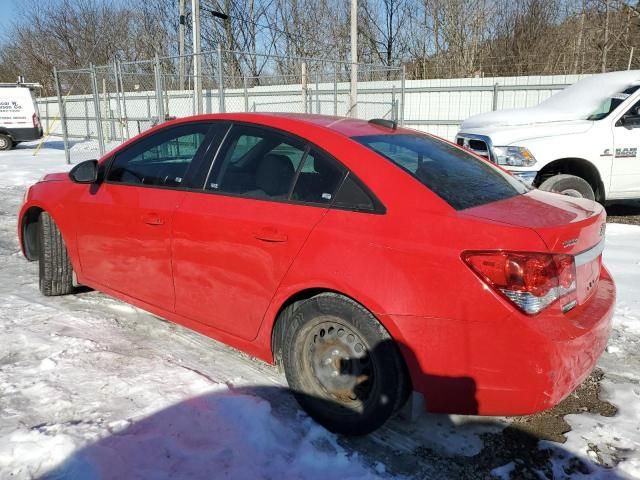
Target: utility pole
[354, 59]
[181, 45]
[197, 81]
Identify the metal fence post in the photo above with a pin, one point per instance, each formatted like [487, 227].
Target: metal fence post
[124, 99]
[221, 107]
[317, 96]
[494, 100]
[96, 106]
[304, 86]
[335, 91]
[159, 99]
[63, 118]
[118, 106]
[394, 110]
[246, 93]
[403, 78]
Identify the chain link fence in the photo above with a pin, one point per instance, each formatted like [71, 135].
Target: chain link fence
[102, 106]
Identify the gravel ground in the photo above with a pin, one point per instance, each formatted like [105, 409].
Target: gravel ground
[624, 211]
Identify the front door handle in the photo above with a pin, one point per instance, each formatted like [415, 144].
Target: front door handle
[152, 219]
[270, 234]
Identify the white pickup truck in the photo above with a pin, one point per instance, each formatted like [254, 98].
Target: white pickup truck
[583, 141]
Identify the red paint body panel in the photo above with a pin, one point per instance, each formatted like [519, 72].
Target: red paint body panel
[225, 265]
[227, 270]
[124, 240]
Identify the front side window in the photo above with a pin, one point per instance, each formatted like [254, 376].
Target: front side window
[610, 104]
[161, 159]
[459, 178]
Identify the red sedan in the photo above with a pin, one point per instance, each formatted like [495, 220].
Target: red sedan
[368, 261]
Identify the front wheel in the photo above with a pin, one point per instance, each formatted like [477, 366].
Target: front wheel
[56, 273]
[342, 366]
[569, 185]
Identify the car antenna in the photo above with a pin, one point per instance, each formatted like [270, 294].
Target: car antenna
[383, 122]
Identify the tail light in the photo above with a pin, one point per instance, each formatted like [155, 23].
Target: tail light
[35, 120]
[532, 281]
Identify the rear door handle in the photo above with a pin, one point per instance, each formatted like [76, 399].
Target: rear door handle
[270, 234]
[152, 219]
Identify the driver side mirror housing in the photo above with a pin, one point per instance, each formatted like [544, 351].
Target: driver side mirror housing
[85, 172]
[630, 121]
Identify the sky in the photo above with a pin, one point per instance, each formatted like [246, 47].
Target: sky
[10, 11]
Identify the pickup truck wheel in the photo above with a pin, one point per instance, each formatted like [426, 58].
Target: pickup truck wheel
[56, 273]
[5, 142]
[569, 185]
[342, 366]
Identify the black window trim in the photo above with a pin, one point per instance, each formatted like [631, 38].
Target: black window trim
[379, 208]
[193, 167]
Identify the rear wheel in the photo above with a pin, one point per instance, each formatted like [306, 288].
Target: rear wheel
[56, 273]
[342, 366]
[569, 185]
[5, 142]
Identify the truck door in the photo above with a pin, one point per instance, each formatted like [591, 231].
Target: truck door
[625, 174]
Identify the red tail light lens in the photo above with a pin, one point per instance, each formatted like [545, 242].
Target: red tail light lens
[532, 281]
[35, 120]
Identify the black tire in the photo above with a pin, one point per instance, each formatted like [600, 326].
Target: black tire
[569, 185]
[56, 273]
[5, 142]
[342, 365]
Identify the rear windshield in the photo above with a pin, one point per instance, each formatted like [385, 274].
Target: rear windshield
[459, 178]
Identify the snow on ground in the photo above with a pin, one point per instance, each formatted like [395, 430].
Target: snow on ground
[93, 388]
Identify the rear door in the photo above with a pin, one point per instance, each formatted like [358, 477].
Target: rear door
[234, 240]
[124, 223]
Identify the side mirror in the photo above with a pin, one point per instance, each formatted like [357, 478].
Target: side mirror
[85, 172]
[630, 121]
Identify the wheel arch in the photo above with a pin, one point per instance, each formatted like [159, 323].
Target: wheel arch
[574, 166]
[277, 326]
[29, 232]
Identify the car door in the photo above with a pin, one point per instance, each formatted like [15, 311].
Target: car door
[234, 240]
[124, 223]
[625, 178]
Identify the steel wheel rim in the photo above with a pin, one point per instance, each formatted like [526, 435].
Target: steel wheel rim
[3, 142]
[572, 192]
[340, 364]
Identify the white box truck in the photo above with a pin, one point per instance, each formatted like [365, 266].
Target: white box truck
[583, 141]
[19, 117]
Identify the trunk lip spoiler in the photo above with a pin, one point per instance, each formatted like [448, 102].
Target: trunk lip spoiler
[589, 255]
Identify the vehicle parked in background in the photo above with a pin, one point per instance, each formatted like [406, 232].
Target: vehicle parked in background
[582, 142]
[367, 260]
[19, 117]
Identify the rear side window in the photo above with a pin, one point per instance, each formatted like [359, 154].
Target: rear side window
[318, 179]
[257, 163]
[459, 178]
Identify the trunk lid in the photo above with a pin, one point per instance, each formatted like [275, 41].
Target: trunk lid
[566, 225]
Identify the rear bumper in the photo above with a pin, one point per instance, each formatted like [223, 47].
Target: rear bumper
[506, 366]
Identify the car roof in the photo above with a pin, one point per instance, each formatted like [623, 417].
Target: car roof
[349, 127]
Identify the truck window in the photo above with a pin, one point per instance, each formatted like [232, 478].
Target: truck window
[610, 104]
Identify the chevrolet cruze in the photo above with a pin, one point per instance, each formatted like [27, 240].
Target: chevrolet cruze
[369, 261]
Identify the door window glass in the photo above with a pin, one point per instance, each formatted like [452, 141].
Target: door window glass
[318, 180]
[161, 159]
[257, 163]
